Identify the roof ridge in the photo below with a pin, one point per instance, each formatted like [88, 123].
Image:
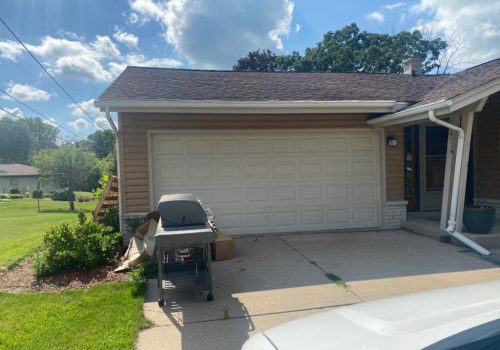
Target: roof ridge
[279, 72]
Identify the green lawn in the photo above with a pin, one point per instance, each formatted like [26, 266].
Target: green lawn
[105, 316]
[22, 227]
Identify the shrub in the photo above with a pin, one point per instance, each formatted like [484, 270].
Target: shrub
[5, 196]
[62, 195]
[112, 217]
[83, 199]
[37, 194]
[14, 191]
[16, 196]
[79, 246]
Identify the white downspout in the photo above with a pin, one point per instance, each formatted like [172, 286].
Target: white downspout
[117, 150]
[452, 222]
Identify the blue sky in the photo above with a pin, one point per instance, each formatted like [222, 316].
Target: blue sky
[86, 43]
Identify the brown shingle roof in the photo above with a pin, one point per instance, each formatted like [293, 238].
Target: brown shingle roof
[459, 83]
[163, 84]
[14, 169]
[157, 84]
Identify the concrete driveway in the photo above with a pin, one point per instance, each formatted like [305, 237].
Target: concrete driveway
[276, 279]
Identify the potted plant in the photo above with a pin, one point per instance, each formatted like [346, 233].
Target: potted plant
[479, 219]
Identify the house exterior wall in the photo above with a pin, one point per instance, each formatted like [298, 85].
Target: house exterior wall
[134, 141]
[23, 183]
[395, 204]
[486, 148]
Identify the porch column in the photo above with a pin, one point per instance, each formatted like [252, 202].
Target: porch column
[448, 172]
[467, 123]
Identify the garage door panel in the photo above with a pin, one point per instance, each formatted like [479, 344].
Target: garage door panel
[262, 182]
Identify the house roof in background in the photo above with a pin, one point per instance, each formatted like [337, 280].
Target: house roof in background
[15, 169]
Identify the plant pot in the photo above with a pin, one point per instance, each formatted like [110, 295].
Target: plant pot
[478, 219]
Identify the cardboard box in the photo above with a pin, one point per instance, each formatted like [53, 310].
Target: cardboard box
[224, 247]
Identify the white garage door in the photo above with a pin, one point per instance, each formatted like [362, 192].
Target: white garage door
[273, 181]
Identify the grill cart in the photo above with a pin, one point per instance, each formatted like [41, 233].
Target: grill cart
[182, 242]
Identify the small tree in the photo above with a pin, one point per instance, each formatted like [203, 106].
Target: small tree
[37, 194]
[67, 167]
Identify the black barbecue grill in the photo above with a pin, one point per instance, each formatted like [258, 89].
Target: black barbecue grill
[182, 242]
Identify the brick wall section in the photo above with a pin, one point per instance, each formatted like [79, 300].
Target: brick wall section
[394, 165]
[395, 214]
[487, 150]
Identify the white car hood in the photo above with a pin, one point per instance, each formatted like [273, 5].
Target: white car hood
[406, 322]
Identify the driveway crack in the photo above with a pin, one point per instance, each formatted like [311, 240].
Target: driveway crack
[330, 276]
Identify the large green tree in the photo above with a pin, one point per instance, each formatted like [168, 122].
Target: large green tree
[19, 139]
[43, 135]
[68, 167]
[15, 141]
[351, 50]
[101, 142]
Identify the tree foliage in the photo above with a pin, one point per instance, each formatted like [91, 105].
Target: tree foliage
[68, 167]
[19, 139]
[101, 142]
[351, 50]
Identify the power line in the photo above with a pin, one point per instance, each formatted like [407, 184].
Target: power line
[40, 114]
[12, 114]
[18, 117]
[50, 75]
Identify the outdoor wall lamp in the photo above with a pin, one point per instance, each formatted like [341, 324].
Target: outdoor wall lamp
[392, 141]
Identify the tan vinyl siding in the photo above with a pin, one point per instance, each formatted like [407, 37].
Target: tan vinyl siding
[487, 150]
[134, 142]
[394, 165]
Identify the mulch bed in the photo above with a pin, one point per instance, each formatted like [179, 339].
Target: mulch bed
[22, 279]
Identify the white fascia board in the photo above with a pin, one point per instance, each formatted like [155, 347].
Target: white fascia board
[252, 106]
[411, 114]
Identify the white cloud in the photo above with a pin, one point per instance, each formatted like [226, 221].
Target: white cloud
[128, 39]
[298, 27]
[26, 92]
[376, 16]
[475, 21]
[15, 111]
[215, 33]
[52, 121]
[79, 124]
[102, 122]
[88, 106]
[98, 61]
[10, 50]
[394, 6]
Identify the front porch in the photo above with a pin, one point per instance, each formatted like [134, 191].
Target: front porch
[428, 224]
[451, 159]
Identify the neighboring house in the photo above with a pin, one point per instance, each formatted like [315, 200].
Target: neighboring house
[18, 176]
[281, 152]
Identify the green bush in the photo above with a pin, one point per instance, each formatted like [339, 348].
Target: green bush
[15, 191]
[112, 217]
[16, 196]
[37, 194]
[5, 196]
[62, 195]
[73, 247]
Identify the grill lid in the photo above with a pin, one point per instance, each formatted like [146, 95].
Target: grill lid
[178, 210]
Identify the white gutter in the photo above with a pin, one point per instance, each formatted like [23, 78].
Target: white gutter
[111, 122]
[452, 222]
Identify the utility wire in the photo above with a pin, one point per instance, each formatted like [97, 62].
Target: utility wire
[40, 114]
[50, 75]
[18, 117]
